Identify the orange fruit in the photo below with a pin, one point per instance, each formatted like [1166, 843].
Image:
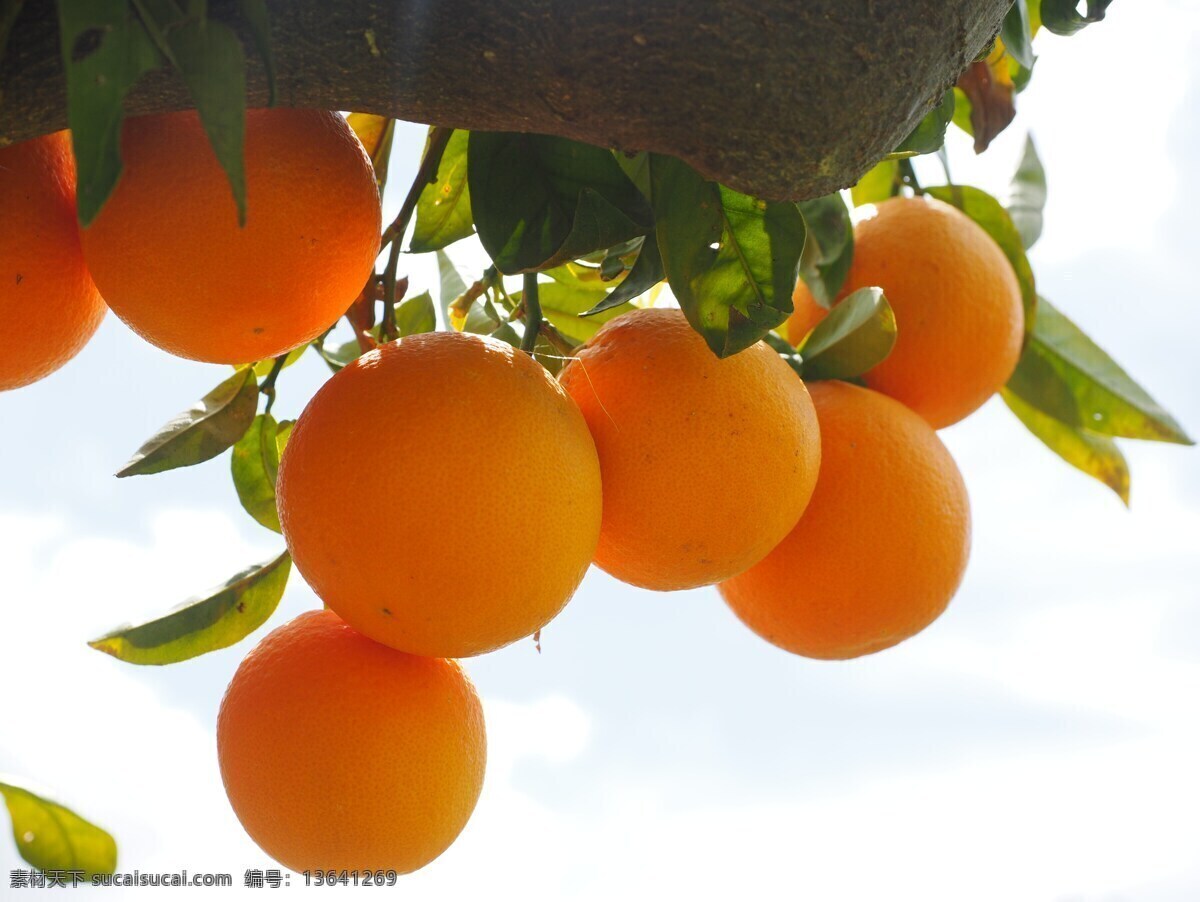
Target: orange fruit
[172, 262]
[707, 463]
[339, 753]
[442, 494]
[959, 320]
[49, 307]
[882, 547]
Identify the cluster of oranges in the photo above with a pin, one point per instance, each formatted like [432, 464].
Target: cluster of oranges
[831, 517]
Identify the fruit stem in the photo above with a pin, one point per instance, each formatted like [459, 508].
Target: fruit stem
[533, 312]
[268, 384]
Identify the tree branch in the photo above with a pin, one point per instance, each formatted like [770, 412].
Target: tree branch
[778, 98]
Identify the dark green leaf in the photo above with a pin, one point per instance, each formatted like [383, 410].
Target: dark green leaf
[215, 620]
[857, 334]
[647, 272]
[255, 465]
[878, 184]
[1063, 16]
[259, 19]
[735, 292]
[829, 247]
[444, 207]
[54, 838]
[539, 201]
[1063, 374]
[1096, 455]
[209, 59]
[416, 314]
[105, 50]
[8, 15]
[1015, 34]
[930, 133]
[1027, 196]
[785, 350]
[202, 431]
[994, 219]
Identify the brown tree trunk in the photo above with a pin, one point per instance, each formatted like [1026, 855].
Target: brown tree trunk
[786, 99]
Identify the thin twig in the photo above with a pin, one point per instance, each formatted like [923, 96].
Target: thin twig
[268, 385]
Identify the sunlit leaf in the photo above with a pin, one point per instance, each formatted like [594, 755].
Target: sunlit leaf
[375, 133]
[856, 335]
[1027, 196]
[878, 184]
[732, 260]
[1096, 455]
[539, 201]
[828, 247]
[1065, 375]
[255, 466]
[991, 216]
[105, 50]
[562, 306]
[444, 207]
[202, 431]
[263, 368]
[52, 837]
[215, 620]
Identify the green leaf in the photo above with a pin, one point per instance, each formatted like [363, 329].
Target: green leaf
[1027, 196]
[209, 58]
[1015, 33]
[856, 335]
[930, 133]
[259, 19]
[564, 306]
[829, 247]
[1063, 374]
[215, 620]
[202, 431]
[539, 201]
[647, 272]
[416, 314]
[878, 184]
[444, 207]
[52, 837]
[255, 466]
[1063, 16]
[737, 291]
[263, 367]
[105, 50]
[784, 348]
[994, 219]
[1096, 455]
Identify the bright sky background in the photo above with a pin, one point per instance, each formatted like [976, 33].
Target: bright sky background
[1039, 742]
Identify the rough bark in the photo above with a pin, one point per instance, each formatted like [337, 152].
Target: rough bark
[786, 99]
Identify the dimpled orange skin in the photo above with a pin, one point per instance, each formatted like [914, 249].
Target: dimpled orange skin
[170, 259]
[49, 307]
[707, 463]
[882, 547]
[442, 494]
[957, 302]
[339, 753]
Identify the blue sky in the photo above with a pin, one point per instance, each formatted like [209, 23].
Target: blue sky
[1038, 742]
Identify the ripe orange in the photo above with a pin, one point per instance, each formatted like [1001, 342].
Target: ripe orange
[49, 307]
[882, 547]
[171, 261]
[338, 753]
[707, 463]
[957, 303]
[442, 494]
